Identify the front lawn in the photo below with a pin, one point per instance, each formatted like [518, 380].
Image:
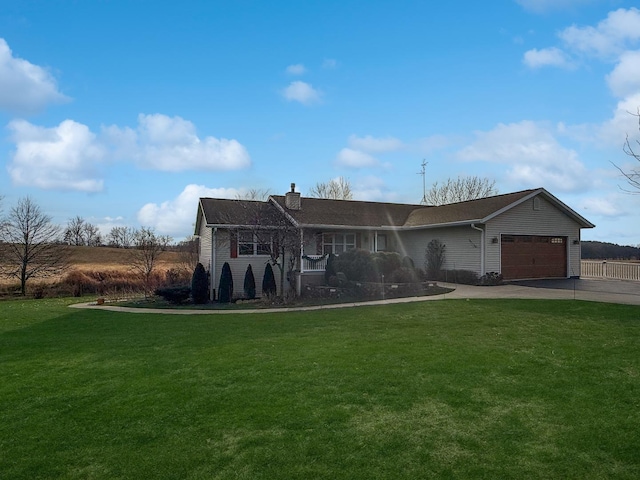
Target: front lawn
[440, 389]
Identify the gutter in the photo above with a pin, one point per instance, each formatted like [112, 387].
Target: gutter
[482, 240]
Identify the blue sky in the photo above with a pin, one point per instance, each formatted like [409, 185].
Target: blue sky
[125, 112]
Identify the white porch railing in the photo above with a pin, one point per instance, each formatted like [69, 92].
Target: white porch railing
[613, 270]
[314, 263]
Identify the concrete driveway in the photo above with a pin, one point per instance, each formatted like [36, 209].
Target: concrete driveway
[596, 290]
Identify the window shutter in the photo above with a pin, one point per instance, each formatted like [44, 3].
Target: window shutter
[319, 244]
[358, 241]
[233, 244]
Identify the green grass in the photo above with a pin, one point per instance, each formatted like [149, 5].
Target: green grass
[444, 389]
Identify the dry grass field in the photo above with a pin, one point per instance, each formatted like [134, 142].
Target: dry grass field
[102, 270]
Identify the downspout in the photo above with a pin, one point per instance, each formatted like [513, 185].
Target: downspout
[473, 225]
[214, 231]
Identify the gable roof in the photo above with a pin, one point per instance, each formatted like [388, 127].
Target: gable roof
[327, 213]
[324, 212]
[235, 213]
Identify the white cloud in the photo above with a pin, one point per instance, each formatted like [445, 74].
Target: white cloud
[533, 155]
[297, 69]
[348, 157]
[375, 145]
[302, 92]
[541, 6]
[611, 36]
[171, 144]
[625, 78]
[175, 217]
[373, 189]
[428, 145]
[614, 131]
[65, 157]
[553, 56]
[604, 206]
[25, 87]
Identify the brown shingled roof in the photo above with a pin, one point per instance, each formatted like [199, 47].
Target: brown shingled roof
[350, 213]
[322, 211]
[464, 211]
[222, 211]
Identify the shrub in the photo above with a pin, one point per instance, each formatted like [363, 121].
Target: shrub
[407, 262]
[249, 283]
[199, 285]
[176, 276]
[174, 294]
[434, 258]
[330, 269]
[385, 263]
[268, 282]
[402, 275]
[491, 278]
[225, 291]
[357, 265]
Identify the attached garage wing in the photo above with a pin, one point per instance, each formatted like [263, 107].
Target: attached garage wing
[531, 256]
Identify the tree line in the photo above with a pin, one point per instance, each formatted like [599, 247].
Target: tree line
[592, 250]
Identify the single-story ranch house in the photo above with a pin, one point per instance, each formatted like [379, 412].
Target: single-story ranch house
[523, 235]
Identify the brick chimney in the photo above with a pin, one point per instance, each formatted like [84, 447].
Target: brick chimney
[292, 199]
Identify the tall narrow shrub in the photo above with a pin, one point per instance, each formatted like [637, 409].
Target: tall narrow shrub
[249, 283]
[330, 269]
[434, 258]
[268, 282]
[199, 285]
[225, 293]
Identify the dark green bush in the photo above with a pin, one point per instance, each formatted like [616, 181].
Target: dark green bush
[225, 291]
[199, 285]
[407, 262]
[174, 294]
[357, 265]
[249, 283]
[434, 258]
[330, 270]
[268, 282]
[402, 275]
[386, 263]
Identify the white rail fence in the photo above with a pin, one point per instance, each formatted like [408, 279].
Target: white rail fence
[613, 270]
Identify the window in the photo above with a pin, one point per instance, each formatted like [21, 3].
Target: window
[337, 243]
[250, 244]
[536, 203]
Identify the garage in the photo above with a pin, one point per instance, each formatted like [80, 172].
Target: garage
[531, 256]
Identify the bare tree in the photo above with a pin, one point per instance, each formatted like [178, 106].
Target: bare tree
[189, 251]
[147, 251]
[460, 189]
[121, 237]
[74, 234]
[632, 175]
[254, 194]
[31, 244]
[92, 235]
[272, 233]
[336, 189]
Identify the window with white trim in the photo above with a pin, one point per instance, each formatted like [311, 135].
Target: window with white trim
[250, 244]
[337, 243]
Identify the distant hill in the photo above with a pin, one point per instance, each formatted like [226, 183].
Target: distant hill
[608, 251]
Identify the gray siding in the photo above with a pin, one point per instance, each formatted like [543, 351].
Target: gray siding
[524, 220]
[238, 265]
[462, 246]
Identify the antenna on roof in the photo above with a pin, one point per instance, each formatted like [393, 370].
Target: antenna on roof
[424, 185]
